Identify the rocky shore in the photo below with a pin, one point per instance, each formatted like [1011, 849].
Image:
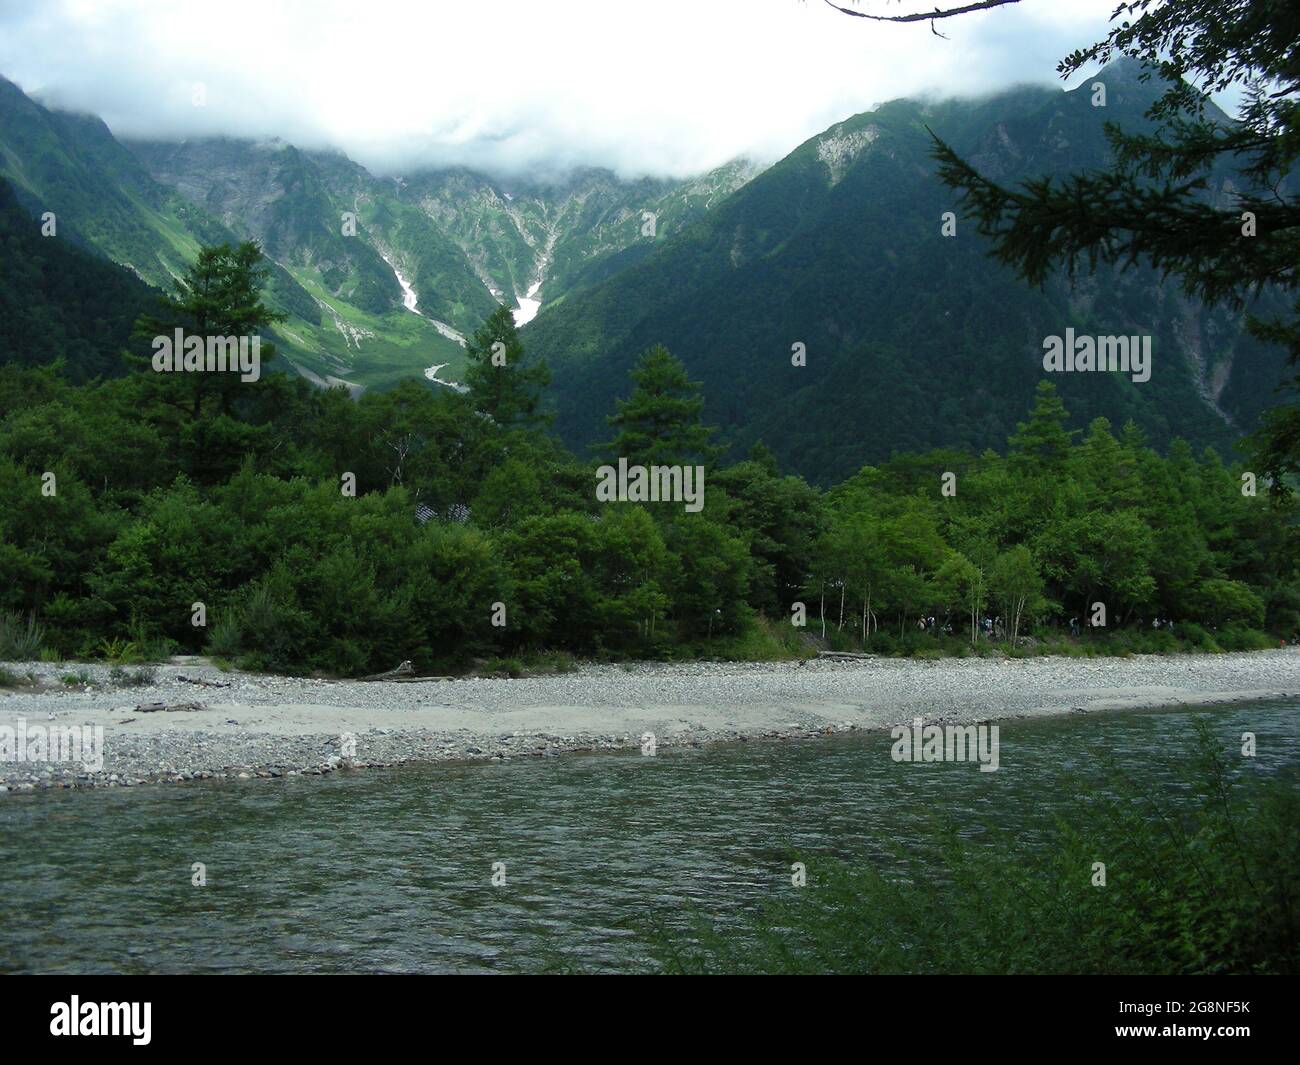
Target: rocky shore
[265, 726]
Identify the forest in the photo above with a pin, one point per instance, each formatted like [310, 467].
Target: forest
[282, 527]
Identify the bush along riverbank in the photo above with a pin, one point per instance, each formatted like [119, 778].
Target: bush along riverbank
[1207, 885]
[134, 663]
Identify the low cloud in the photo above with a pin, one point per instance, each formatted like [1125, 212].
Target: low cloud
[665, 88]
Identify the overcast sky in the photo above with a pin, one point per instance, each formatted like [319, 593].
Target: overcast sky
[667, 87]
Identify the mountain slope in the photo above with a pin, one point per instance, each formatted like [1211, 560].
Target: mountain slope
[379, 278]
[59, 301]
[913, 339]
[101, 197]
[460, 240]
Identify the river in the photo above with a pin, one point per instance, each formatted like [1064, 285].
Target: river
[390, 870]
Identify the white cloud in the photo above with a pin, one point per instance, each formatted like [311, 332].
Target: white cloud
[663, 87]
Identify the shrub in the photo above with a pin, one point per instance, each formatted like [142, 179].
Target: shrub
[264, 632]
[10, 679]
[224, 638]
[119, 651]
[132, 678]
[1208, 888]
[20, 638]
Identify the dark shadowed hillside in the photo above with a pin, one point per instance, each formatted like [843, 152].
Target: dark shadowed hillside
[913, 339]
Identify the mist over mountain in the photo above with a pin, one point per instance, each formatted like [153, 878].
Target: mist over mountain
[513, 88]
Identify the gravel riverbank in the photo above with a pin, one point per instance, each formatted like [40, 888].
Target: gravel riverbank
[262, 726]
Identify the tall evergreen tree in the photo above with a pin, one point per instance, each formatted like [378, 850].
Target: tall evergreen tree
[660, 423]
[1043, 440]
[219, 296]
[503, 382]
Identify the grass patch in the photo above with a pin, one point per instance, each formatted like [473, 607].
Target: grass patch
[11, 679]
[20, 637]
[132, 678]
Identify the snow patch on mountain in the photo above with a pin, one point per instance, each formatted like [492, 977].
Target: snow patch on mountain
[431, 374]
[528, 306]
[410, 300]
[447, 331]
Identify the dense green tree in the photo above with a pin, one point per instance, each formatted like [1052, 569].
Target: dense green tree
[115, 525]
[1018, 586]
[783, 518]
[708, 575]
[504, 383]
[58, 301]
[1043, 443]
[660, 422]
[961, 583]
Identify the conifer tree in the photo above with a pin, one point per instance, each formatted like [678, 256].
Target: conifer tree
[660, 423]
[503, 382]
[219, 296]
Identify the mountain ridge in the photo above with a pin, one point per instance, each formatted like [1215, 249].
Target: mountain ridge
[348, 286]
[920, 336]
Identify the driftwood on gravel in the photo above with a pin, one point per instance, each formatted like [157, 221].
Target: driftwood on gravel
[153, 708]
[204, 683]
[405, 669]
[402, 674]
[841, 654]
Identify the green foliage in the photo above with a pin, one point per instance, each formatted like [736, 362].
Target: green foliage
[503, 382]
[59, 302]
[132, 678]
[913, 340]
[1210, 888]
[172, 495]
[10, 679]
[20, 638]
[659, 424]
[119, 651]
[1016, 582]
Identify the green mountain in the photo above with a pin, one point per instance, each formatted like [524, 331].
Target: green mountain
[104, 199]
[913, 339]
[453, 243]
[380, 279]
[544, 239]
[99, 193]
[58, 300]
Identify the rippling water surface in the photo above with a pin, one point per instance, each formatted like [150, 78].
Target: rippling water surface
[390, 870]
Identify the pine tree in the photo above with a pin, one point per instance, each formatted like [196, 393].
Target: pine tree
[503, 382]
[1044, 440]
[660, 423]
[219, 296]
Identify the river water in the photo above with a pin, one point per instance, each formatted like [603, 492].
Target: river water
[391, 870]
